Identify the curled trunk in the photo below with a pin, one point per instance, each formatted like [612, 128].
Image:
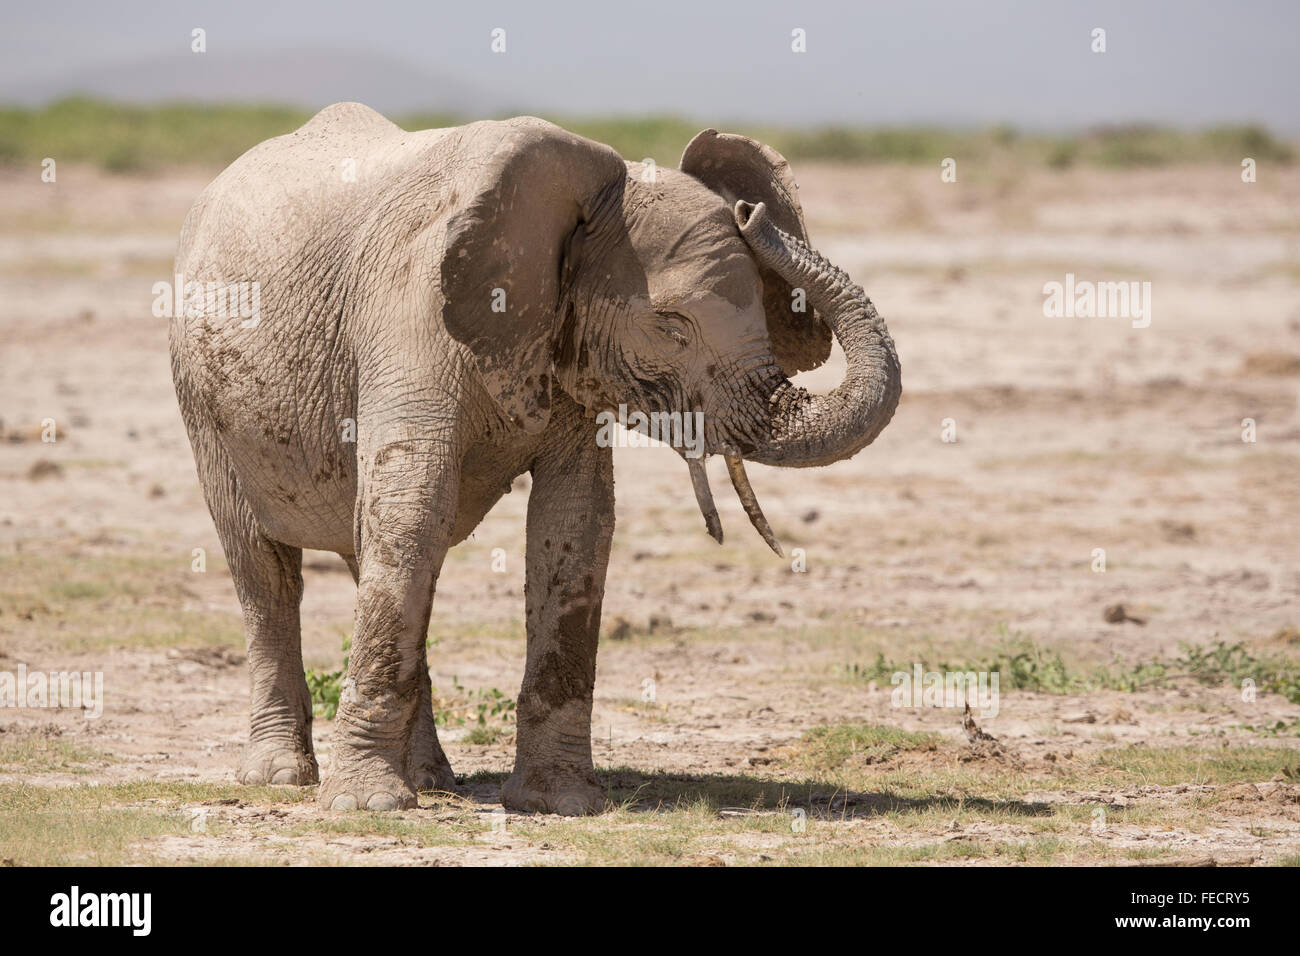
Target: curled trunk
[809, 430]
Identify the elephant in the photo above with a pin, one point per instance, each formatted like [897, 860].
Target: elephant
[440, 312]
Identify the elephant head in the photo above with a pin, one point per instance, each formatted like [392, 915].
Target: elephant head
[691, 290]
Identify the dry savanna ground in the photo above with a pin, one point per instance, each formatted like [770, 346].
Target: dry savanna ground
[743, 711]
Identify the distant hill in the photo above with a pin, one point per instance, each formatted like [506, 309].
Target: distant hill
[307, 79]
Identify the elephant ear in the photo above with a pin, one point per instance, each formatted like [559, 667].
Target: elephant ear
[529, 185]
[737, 167]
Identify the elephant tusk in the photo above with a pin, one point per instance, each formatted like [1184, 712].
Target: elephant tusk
[704, 497]
[749, 501]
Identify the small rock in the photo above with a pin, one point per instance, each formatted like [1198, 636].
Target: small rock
[1118, 614]
[1270, 364]
[44, 468]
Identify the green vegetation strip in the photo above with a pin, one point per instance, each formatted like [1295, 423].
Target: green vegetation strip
[1023, 664]
[849, 794]
[124, 138]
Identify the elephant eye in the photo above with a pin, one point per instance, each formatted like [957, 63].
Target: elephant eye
[676, 326]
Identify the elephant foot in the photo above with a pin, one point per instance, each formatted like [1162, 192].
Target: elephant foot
[279, 762]
[382, 791]
[427, 767]
[429, 774]
[541, 793]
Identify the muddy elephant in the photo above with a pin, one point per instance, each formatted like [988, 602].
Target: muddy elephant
[439, 312]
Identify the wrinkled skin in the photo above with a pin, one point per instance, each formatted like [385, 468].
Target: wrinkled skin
[381, 405]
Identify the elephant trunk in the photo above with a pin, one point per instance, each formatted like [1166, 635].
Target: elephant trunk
[810, 430]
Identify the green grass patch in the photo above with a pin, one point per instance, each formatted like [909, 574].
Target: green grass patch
[849, 769]
[936, 815]
[102, 837]
[20, 797]
[106, 825]
[94, 602]
[35, 753]
[695, 832]
[1025, 664]
[1279, 728]
[829, 748]
[1166, 766]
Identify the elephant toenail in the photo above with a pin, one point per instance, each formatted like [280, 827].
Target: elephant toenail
[382, 801]
[254, 778]
[285, 775]
[570, 807]
[344, 801]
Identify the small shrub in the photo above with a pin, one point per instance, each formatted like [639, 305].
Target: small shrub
[325, 687]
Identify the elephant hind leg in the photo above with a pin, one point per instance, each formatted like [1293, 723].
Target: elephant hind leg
[427, 766]
[268, 579]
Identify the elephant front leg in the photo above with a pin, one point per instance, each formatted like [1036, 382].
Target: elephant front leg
[570, 524]
[427, 766]
[405, 513]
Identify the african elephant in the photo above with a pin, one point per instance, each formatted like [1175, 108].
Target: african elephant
[441, 311]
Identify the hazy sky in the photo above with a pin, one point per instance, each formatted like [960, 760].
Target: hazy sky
[1186, 62]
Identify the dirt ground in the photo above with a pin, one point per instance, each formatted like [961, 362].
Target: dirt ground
[743, 709]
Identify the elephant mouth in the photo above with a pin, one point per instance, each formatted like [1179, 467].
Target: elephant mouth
[736, 438]
[733, 443]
